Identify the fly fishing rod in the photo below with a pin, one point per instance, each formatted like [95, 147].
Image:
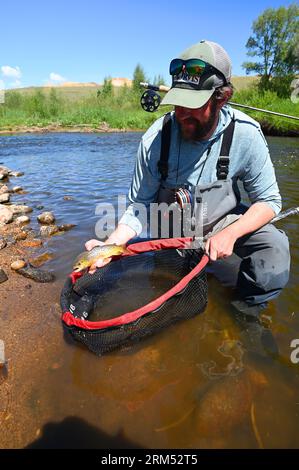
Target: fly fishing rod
[286, 213]
[150, 101]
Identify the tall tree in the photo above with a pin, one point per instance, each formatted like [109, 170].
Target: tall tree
[275, 43]
[138, 76]
[107, 88]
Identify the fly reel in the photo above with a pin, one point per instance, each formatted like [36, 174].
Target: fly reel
[150, 101]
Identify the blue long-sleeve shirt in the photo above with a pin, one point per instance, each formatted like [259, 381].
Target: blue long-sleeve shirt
[250, 163]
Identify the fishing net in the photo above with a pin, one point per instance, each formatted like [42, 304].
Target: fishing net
[136, 295]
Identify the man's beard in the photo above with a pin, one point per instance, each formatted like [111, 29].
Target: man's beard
[198, 131]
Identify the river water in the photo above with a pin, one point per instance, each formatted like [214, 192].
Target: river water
[190, 386]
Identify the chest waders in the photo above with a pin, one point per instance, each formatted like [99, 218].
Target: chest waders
[210, 201]
[91, 311]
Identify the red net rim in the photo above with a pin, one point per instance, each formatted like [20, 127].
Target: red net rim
[129, 317]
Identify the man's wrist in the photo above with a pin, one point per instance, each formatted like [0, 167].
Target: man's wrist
[121, 235]
[233, 230]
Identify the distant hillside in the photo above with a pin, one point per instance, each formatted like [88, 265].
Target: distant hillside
[241, 83]
[74, 90]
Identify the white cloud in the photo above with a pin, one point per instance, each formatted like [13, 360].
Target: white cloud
[15, 84]
[55, 77]
[9, 71]
[2, 85]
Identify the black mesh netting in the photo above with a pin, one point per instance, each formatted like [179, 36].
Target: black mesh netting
[127, 284]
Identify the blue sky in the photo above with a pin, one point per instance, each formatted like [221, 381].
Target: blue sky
[88, 40]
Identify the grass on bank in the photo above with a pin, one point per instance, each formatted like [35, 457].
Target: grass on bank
[120, 109]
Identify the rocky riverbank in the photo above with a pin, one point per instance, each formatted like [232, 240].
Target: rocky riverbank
[269, 129]
[102, 128]
[21, 247]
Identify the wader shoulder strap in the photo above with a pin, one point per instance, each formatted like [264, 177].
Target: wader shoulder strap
[223, 160]
[165, 145]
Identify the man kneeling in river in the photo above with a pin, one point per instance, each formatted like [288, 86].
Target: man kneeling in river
[205, 131]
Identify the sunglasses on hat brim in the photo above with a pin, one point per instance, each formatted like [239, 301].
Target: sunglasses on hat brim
[194, 67]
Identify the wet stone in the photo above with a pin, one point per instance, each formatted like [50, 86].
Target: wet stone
[4, 198]
[47, 218]
[18, 264]
[66, 227]
[20, 209]
[16, 189]
[22, 219]
[6, 215]
[16, 173]
[4, 170]
[36, 274]
[10, 240]
[40, 259]
[21, 236]
[2, 243]
[48, 230]
[3, 276]
[4, 189]
[32, 243]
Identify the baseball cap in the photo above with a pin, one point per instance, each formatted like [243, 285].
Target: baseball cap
[183, 92]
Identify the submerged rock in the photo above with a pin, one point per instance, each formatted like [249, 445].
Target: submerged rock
[22, 220]
[3, 276]
[6, 215]
[40, 259]
[66, 227]
[16, 173]
[48, 230]
[36, 274]
[21, 235]
[18, 264]
[47, 218]
[68, 198]
[16, 189]
[10, 240]
[32, 243]
[227, 403]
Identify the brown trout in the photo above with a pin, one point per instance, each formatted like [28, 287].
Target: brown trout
[88, 258]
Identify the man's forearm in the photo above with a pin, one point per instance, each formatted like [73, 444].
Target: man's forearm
[121, 235]
[259, 214]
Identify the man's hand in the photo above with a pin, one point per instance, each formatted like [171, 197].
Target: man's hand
[89, 245]
[121, 235]
[220, 245]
